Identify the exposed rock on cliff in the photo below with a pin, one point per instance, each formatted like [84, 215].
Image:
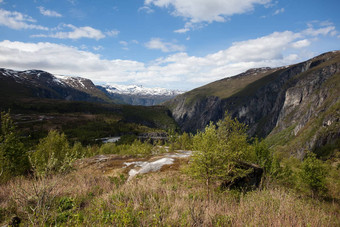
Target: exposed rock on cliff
[299, 99]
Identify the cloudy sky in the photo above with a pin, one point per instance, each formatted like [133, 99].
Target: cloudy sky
[177, 44]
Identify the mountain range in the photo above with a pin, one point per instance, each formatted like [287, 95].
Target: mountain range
[138, 95]
[41, 84]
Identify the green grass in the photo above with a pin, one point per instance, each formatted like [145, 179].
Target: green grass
[226, 87]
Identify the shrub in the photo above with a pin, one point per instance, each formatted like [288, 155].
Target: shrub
[313, 174]
[54, 154]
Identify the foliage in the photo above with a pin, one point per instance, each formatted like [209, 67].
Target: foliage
[263, 155]
[137, 148]
[313, 174]
[183, 142]
[54, 154]
[13, 156]
[218, 150]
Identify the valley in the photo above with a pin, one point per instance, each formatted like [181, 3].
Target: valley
[76, 154]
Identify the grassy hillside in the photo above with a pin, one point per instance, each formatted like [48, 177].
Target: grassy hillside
[229, 86]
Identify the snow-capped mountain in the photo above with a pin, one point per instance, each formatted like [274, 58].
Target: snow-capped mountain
[41, 84]
[140, 90]
[139, 95]
[38, 83]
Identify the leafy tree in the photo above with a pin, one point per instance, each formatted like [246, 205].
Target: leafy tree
[13, 156]
[54, 154]
[313, 174]
[218, 151]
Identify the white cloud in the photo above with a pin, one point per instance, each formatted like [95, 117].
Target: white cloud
[76, 33]
[98, 48]
[301, 43]
[17, 21]
[65, 60]
[319, 31]
[197, 11]
[124, 43]
[146, 9]
[159, 44]
[112, 33]
[178, 70]
[49, 13]
[278, 11]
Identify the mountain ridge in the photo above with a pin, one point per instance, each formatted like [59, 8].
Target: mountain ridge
[41, 84]
[267, 99]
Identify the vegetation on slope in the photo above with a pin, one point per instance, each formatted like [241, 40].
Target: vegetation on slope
[226, 87]
[85, 121]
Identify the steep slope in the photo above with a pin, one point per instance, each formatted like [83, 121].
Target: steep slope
[139, 95]
[40, 84]
[271, 101]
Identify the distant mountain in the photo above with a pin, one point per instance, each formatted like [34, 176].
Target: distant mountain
[41, 84]
[139, 95]
[296, 107]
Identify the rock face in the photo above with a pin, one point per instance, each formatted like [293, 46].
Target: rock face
[281, 98]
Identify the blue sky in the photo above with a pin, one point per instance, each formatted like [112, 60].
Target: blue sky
[174, 44]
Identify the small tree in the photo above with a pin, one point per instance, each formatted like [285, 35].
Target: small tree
[218, 150]
[54, 154]
[313, 174]
[13, 156]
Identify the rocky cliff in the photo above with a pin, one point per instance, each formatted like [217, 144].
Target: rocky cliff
[269, 101]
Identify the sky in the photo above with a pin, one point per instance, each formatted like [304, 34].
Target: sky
[174, 44]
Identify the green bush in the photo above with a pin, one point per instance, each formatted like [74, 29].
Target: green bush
[313, 174]
[54, 154]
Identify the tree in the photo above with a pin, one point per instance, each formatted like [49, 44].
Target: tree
[13, 156]
[218, 150]
[54, 154]
[313, 174]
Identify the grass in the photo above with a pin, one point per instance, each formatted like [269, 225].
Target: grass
[157, 199]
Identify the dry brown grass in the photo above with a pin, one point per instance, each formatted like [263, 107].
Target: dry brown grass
[165, 198]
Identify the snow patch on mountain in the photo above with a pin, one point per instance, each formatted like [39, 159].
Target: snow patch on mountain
[139, 90]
